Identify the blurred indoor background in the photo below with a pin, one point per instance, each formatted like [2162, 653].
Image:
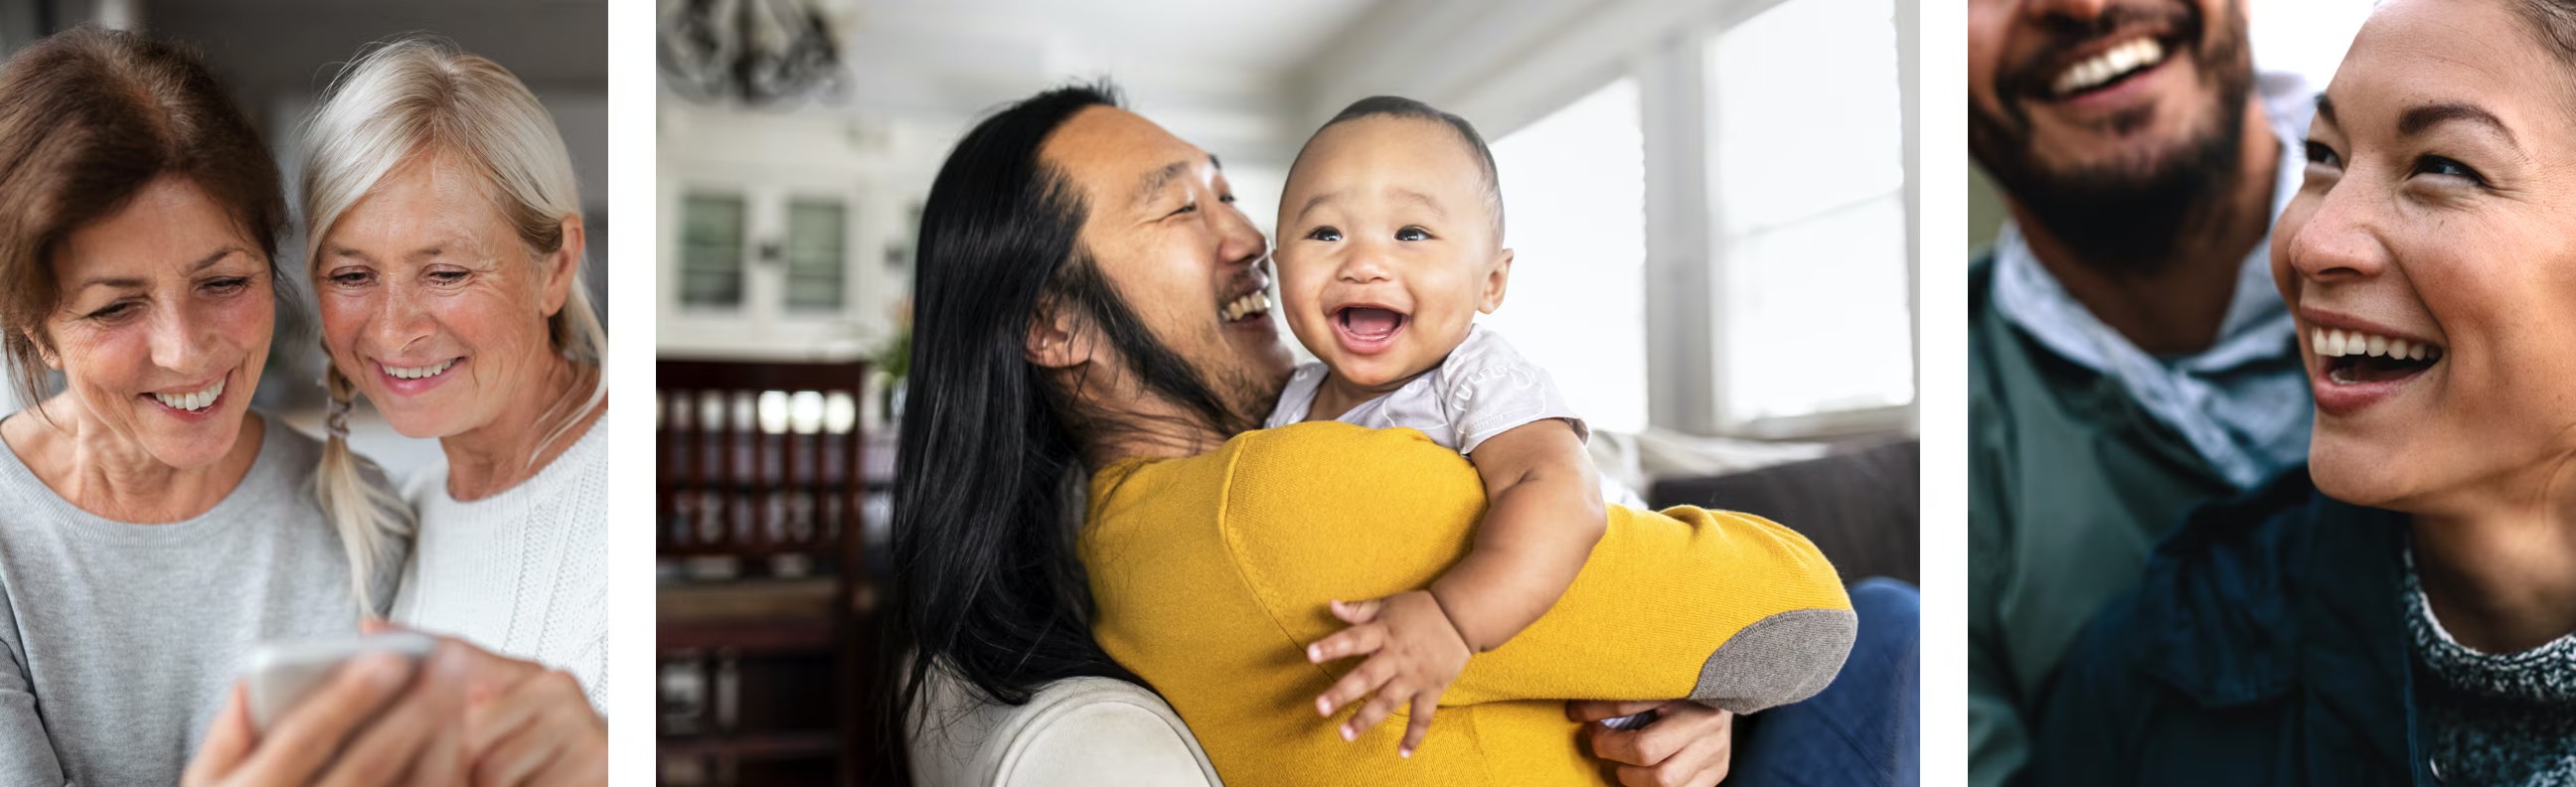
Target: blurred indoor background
[1716, 266]
[277, 56]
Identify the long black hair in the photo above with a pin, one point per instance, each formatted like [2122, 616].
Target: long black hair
[987, 489]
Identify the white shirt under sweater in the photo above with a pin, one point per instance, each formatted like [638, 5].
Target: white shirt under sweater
[1482, 388]
[523, 573]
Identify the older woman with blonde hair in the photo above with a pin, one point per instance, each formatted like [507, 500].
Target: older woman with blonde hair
[445, 249]
[153, 528]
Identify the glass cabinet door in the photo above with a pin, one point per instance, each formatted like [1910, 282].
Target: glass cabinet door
[817, 258]
[712, 250]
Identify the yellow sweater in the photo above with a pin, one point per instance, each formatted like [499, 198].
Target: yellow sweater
[1211, 574]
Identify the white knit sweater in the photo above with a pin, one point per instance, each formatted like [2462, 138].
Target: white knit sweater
[523, 573]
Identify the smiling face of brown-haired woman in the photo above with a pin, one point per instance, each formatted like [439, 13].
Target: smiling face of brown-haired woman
[166, 311]
[2430, 259]
[138, 227]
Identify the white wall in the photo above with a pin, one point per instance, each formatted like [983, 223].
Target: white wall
[919, 77]
[877, 168]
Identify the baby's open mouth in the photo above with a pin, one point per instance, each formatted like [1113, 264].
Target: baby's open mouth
[1368, 329]
[2353, 357]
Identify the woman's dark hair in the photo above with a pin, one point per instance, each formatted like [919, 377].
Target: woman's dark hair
[2554, 23]
[88, 118]
[985, 582]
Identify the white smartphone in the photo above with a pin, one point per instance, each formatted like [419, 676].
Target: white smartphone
[282, 674]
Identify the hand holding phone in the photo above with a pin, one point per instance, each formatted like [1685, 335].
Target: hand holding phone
[278, 675]
[378, 709]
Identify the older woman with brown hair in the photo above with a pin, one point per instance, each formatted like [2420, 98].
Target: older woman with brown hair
[2404, 611]
[152, 526]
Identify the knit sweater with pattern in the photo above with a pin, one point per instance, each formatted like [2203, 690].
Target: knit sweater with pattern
[523, 573]
[2505, 719]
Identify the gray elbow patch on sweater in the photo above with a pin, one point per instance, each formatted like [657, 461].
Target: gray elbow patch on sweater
[1778, 660]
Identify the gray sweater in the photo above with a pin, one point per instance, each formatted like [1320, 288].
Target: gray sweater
[2506, 719]
[118, 642]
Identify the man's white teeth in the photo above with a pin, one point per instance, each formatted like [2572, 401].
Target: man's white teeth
[2336, 344]
[2102, 67]
[417, 372]
[193, 402]
[1258, 301]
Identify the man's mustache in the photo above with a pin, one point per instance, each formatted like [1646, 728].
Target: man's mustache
[2034, 73]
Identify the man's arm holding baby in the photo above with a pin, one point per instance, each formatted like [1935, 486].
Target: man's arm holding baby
[1729, 609]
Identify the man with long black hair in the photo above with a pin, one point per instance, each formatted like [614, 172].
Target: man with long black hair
[1029, 363]
[1000, 428]
[1092, 306]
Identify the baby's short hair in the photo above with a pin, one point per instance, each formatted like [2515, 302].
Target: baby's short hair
[1401, 107]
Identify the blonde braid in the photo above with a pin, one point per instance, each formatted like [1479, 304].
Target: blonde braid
[369, 516]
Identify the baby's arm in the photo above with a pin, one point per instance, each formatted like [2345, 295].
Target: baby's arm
[1543, 513]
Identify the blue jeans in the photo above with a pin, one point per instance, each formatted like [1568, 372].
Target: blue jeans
[1865, 728]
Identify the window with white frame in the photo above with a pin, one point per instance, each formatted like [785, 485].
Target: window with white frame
[1574, 191]
[1806, 180]
[711, 250]
[816, 262]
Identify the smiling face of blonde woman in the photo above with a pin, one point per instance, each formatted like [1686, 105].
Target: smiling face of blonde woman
[2431, 263]
[433, 306]
[163, 325]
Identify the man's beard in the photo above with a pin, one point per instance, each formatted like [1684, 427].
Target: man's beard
[2127, 216]
[1225, 399]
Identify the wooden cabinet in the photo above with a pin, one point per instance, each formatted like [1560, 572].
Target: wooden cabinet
[766, 599]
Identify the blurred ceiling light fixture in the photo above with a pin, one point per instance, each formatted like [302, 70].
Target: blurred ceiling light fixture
[757, 52]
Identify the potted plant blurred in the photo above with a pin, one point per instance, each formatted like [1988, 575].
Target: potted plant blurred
[893, 362]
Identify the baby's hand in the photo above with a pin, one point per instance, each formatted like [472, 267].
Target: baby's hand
[1413, 653]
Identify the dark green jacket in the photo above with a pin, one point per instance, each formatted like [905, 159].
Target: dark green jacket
[2265, 645]
[2070, 483]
